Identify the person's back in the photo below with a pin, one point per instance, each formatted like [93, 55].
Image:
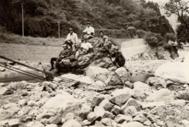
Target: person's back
[119, 60]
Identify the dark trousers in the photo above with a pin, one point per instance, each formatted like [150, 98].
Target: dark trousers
[53, 62]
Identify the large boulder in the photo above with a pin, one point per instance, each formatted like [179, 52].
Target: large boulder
[163, 95]
[60, 104]
[141, 90]
[120, 99]
[98, 73]
[123, 74]
[132, 124]
[10, 123]
[35, 124]
[71, 123]
[125, 90]
[174, 71]
[157, 82]
[6, 91]
[74, 77]
[102, 74]
[8, 110]
[132, 102]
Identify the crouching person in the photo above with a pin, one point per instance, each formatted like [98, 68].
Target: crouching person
[117, 57]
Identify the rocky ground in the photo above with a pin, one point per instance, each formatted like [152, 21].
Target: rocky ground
[130, 96]
[100, 99]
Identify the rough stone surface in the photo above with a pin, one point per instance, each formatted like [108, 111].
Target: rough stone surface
[84, 111]
[66, 104]
[99, 111]
[123, 118]
[51, 125]
[10, 123]
[108, 122]
[98, 73]
[35, 124]
[132, 124]
[131, 110]
[120, 99]
[132, 102]
[157, 82]
[6, 91]
[71, 123]
[116, 110]
[91, 117]
[60, 101]
[141, 90]
[161, 95]
[175, 71]
[107, 105]
[96, 101]
[123, 74]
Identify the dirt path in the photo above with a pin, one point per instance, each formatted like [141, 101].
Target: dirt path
[39, 53]
[30, 53]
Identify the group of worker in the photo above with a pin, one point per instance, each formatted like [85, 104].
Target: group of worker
[77, 55]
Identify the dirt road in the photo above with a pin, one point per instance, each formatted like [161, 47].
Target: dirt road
[39, 53]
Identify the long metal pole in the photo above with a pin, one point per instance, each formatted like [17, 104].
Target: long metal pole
[58, 29]
[17, 62]
[22, 7]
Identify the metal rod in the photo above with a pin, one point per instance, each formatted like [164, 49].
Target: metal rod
[33, 68]
[58, 29]
[22, 8]
[22, 72]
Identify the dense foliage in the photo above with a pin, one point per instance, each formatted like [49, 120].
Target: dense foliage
[181, 9]
[41, 16]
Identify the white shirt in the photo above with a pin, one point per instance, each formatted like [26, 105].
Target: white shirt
[72, 37]
[86, 46]
[172, 43]
[89, 30]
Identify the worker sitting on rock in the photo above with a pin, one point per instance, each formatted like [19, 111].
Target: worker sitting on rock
[99, 45]
[64, 62]
[73, 38]
[83, 56]
[89, 31]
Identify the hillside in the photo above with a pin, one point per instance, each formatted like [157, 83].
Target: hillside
[111, 16]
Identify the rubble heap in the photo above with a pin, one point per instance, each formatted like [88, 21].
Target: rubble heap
[95, 100]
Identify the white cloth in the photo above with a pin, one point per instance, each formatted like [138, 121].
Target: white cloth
[172, 43]
[72, 37]
[86, 46]
[89, 30]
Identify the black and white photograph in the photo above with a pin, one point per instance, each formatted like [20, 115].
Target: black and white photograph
[94, 63]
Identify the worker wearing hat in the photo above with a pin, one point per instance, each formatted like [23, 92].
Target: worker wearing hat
[63, 62]
[89, 31]
[72, 38]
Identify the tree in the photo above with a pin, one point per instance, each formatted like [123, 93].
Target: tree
[178, 7]
[181, 9]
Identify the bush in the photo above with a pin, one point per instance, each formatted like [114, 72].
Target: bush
[141, 33]
[171, 36]
[117, 33]
[154, 40]
[41, 16]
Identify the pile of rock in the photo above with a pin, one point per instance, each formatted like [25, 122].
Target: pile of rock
[156, 102]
